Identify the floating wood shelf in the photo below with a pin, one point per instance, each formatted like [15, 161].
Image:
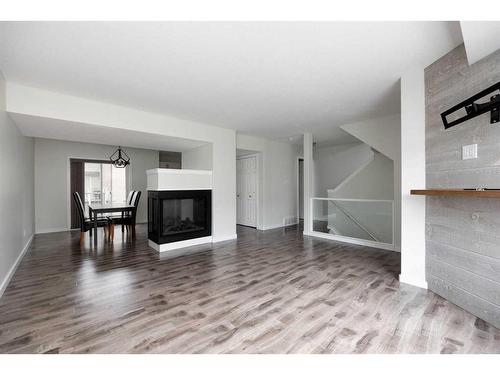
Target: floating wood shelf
[492, 193]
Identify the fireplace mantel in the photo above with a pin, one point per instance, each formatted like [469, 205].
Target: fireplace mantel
[161, 179]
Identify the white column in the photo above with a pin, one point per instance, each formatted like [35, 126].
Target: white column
[413, 177]
[308, 181]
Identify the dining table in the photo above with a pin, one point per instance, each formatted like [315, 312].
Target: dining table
[102, 208]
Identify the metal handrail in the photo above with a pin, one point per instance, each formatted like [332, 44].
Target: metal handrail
[345, 212]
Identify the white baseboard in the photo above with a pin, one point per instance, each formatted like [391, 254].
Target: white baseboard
[13, 269]
[179, 244]
[167, 247]
[225, 238]
[52, 230]
[413, 281]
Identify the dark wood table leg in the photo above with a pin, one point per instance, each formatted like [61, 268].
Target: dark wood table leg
[90, 215]
[133, 214]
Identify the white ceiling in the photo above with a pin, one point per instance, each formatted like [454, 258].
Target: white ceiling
[480, 38]
[269, 79]
[41, 127]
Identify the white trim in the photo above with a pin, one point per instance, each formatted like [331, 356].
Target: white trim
[308, 153]
[68, 193]
[299, 158]
[225, 238]
[414, 282]
[355, 241]
[177, 171]
[393, 227]
[353, 174]
[260, 190]
[128, 183]
[13, 269]
[255, 155]
[179, 244]
[53, 230]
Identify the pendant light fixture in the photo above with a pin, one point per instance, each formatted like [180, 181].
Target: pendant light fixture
[119, 158]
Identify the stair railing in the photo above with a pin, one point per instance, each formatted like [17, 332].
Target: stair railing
[353, 219]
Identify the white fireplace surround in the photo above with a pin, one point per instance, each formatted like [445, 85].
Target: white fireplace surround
[179, 179]
[162, 179]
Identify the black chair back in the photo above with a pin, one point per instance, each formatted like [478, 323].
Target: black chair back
[80, 207]
[136, 203]
[137, 197]
[130, 196]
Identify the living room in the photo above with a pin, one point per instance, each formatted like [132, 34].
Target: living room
[249, 187]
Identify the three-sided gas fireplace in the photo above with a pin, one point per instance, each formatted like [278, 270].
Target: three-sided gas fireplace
[179, 215]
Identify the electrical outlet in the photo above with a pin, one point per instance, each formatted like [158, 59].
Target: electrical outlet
[469, 151]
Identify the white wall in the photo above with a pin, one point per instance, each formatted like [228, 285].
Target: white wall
[52, 194]
[413, 177]
[37, 102]
[381, 133]
[480, 39]
[16, 193]
[374, 181]
[334, 164]
[278, 178]
[198, 158]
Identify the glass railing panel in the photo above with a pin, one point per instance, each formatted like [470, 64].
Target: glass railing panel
[363, 219]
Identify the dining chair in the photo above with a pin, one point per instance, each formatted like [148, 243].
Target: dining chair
[130, 196]
[130, 200]
[116, 217]
[129, 220]
[86, 224]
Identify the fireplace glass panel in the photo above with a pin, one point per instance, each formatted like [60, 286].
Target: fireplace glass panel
[178, 215]
[183, 215]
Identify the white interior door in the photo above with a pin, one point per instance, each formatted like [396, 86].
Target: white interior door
[246, 190]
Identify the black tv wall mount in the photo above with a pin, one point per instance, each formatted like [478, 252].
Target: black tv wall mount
[474, 106]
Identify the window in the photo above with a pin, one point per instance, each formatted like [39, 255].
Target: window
[104, 183]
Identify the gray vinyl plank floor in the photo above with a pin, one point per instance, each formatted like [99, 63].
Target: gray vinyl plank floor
[266, 292]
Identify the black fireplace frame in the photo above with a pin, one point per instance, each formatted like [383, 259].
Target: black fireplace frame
[155, 214]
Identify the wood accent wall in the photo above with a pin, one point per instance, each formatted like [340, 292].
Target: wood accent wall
[463, 234]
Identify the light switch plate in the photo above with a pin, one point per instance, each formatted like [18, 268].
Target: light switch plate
[469, 151]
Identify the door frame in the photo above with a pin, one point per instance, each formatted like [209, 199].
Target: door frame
[258, 224]
[299, 158]
[69, 198]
